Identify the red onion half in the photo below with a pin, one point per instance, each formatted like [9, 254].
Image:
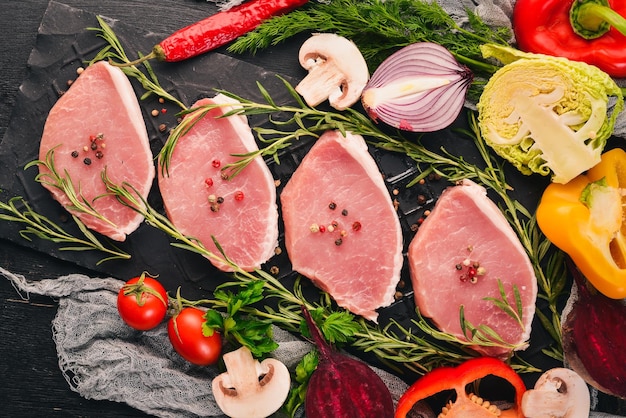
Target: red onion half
[420, 88]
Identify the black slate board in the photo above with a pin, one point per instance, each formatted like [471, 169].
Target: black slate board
[63, 43]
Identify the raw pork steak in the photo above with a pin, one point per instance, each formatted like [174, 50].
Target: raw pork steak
[456, 259]
[341, 229]
[240, 212]
[97, 123]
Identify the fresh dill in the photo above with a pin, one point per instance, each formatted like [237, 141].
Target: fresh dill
[380, 27]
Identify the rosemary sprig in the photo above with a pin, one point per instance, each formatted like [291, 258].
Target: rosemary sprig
[380, 27]
[547, 262]
[51, 177]
[275, 139]
[186, 124]
[115, 54]
[515, 311]
[42, 227]
[481, 335]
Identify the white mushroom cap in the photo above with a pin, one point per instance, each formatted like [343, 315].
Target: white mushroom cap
[337, 71]
[559, 393]
[249, 389]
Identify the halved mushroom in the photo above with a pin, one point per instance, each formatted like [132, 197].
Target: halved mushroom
[337, 71]
[249, 389]
[559, 393]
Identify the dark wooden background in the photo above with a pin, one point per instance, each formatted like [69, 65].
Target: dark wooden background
[31, 383]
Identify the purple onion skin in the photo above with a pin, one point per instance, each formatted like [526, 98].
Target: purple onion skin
[594, 339]
[343, 387]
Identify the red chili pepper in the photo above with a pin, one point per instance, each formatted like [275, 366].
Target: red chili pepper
[219, 29]
[590, 32]
[458, 378]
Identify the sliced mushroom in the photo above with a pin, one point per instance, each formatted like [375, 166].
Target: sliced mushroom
[559, 393]
[249, 389]
[337, 71]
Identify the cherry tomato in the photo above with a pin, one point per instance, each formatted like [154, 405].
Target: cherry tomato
[142, 302]
[187, 338]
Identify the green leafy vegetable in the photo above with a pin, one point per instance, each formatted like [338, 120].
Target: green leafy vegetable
[547, 115]
[303, 372]
[247, 331]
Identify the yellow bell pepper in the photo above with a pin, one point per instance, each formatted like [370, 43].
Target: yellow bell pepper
[585, 218]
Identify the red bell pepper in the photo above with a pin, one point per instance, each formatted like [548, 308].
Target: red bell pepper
[458, 378]
[592, 31]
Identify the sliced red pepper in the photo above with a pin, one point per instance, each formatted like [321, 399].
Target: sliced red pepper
[545, 27]
[457, 379]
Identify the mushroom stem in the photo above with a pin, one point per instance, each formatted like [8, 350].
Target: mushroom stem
[249, 389]
[323, 82]
[337, 71]
[243, 376]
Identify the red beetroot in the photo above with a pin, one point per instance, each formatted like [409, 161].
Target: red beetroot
[342, 386]
[593, 338]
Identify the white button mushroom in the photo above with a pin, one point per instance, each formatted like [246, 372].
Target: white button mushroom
[249, 389]
[337, 71]
[559, 393]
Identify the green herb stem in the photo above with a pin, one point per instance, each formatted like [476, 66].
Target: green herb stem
[43, 228]
[115, 54]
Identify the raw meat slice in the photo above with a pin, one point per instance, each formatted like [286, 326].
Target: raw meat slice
[456, 259]
[341, 229]
[98, 123]
[240, 212]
